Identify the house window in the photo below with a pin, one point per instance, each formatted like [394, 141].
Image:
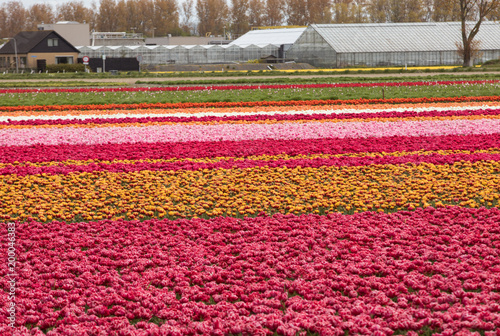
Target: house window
[64, 60]
[53, 42]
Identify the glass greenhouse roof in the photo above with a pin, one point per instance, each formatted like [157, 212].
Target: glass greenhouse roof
[401, 37]
[270, 36]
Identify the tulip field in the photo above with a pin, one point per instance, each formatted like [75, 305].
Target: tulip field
[217, 94]
[280, 217]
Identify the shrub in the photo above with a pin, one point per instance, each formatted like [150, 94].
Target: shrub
[65, 67]
[494, 62]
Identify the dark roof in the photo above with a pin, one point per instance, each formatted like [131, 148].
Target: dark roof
[27, 40]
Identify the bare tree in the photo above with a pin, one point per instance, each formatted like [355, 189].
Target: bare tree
[212, 16]
[296, 12]
[187, 14]
[139, 15]
[12, 18]
[256, 13]
[406, 11]
[319, 11]
[469, 9]
[3, 20]
[74, 11]
[273, 12]
[341, 11]
[121, 16]
[146, 15]
[378, 10]
[475, 49]
[415, 11]
[132, 16]
[428, 9]
[494, 15]
[239, 17]
[166, 17]
[349, 11]
[359, 9]
[107, 18]
[38, 14]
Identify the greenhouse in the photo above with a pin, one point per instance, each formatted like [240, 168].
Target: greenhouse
[184, 54]
[280, 36]
[390, 44]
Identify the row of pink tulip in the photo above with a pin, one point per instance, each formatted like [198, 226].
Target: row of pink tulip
[246, 131]
[368, 273]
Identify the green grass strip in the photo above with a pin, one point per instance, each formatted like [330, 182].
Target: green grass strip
[81, 98]
[319, 80]
[58, 84]
[243, 73]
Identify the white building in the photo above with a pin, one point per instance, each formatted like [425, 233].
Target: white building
[74, 32]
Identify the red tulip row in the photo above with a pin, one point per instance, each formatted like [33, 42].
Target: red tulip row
[436, 159]
[368, 273]
[138, 151]
[249, 104]
[248, 87]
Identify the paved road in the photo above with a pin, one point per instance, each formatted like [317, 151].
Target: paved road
[132, 81]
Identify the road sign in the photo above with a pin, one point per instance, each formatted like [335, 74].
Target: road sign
[86, 60]
[139, 58]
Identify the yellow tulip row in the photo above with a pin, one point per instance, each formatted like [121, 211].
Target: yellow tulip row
[246, 192]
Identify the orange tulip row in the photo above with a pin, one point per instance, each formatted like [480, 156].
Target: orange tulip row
[361, 101]
[246, 192]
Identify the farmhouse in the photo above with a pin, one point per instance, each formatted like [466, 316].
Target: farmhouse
[390, 44]
[36, 49]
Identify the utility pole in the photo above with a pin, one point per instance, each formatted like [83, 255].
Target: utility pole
[15, 52]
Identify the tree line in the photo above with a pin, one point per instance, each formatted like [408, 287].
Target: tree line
[233, 17]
